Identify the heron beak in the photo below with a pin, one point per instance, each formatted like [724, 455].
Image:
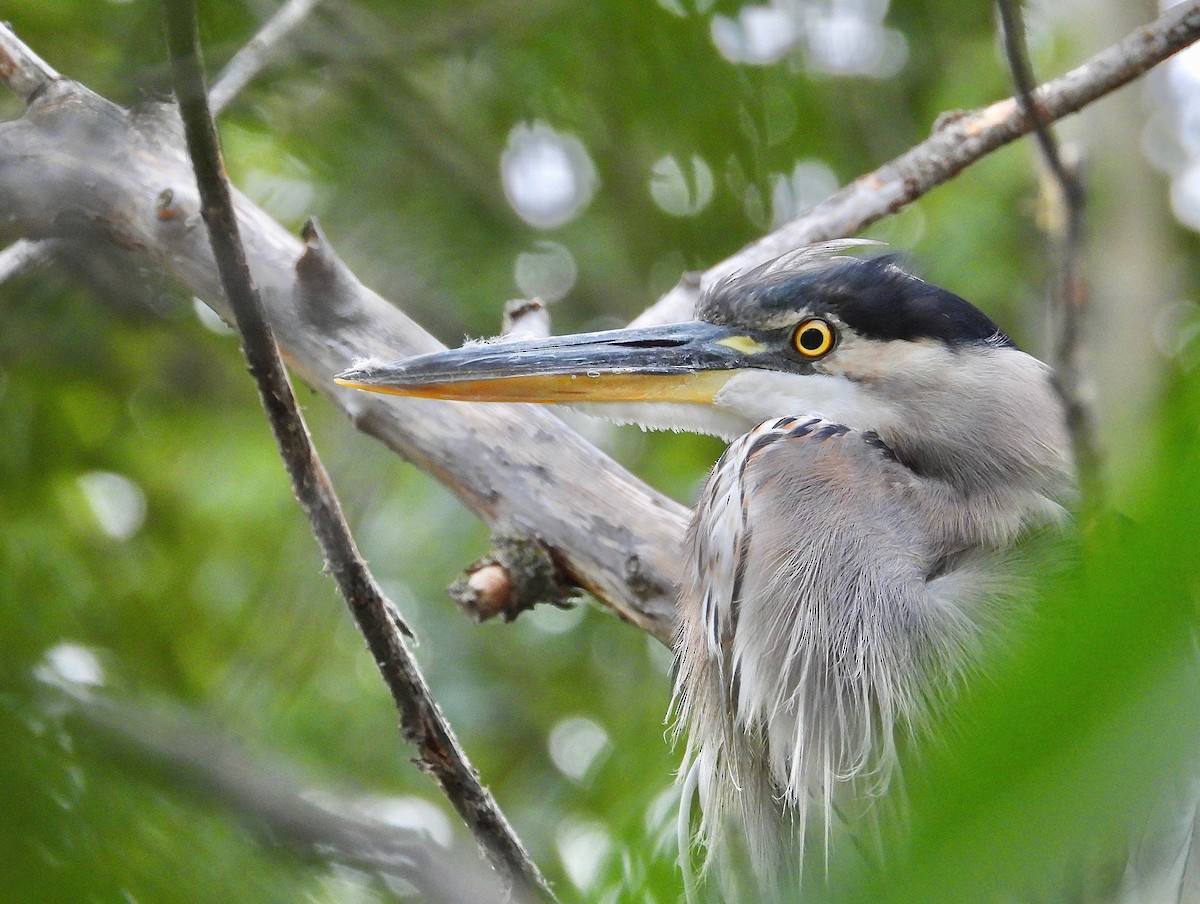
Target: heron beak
[685, 362]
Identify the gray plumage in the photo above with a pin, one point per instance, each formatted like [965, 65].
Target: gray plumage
[855, 548]
[846, 562]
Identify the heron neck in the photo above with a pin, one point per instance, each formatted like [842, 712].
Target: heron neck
[987, 482]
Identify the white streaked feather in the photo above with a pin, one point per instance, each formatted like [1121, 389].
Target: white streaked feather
[804, 259]
[794, 683]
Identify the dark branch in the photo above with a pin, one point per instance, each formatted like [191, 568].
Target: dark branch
[961, 140]
[1013, 31]
[422, 721]
[1069, 296]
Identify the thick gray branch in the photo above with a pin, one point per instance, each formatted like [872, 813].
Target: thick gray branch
[65, 171]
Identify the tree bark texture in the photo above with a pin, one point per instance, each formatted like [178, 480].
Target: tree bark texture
[76, 165]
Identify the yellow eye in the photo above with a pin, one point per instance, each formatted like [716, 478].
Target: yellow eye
[813, 338]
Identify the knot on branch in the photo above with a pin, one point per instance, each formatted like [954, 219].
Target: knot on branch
[948, 118]
[516, 575]
[326, 290]
[165, 206]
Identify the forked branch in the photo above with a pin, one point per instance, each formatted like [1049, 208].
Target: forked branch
[519, 469]
[961, 138]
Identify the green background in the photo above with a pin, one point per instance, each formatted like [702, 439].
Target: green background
[388, 121]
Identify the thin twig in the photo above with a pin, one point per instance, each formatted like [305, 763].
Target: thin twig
[1013, 32]
[961, 140]
[257, 52]
[24, 255]
[421, 719]
[1069, 296]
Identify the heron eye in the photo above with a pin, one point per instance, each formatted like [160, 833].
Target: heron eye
[813, 338]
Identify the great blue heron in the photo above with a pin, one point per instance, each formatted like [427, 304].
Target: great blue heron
[847, 559]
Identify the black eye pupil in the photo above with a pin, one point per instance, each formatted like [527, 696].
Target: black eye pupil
[812, 339]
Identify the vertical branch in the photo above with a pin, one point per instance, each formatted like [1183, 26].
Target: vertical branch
[422, 722]
[1069, 295]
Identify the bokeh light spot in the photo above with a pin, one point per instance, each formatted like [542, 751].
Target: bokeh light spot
[547, 272]
[548, 176]
[118, 504]
[678, 192]
[575, 744]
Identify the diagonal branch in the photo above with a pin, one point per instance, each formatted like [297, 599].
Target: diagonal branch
[257, 52]
[271, 801]
[517, 467]
[958, 141]
[421, 719]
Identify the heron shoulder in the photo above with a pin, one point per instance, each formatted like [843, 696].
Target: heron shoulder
[808, 532]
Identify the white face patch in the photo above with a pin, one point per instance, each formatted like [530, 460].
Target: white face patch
[867, 399]
[751, 397]
[757, 395]
[680, 417]
[872, 361]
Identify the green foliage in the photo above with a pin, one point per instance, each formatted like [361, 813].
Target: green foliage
[1068, 762]
[389, 122]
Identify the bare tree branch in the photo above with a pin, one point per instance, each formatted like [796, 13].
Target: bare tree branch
[517, 467]
[257, 52]
[958, 141]
[23, 71]
[499, 459]
[421, 719]
[1069, 296]
[23, 255]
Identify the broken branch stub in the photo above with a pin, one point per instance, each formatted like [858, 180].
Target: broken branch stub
[518, 573]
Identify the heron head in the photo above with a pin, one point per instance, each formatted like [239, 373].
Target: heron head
[859, 341]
